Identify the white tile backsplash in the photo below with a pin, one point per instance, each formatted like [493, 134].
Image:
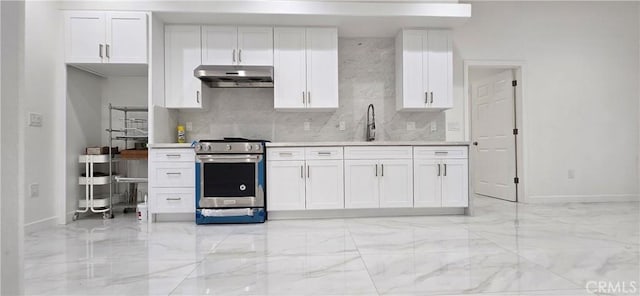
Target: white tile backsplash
[366, 76]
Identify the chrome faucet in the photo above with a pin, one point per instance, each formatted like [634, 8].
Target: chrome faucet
[371, 123]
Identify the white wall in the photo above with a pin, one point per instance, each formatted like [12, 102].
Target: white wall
[43, 69]
[83, 128]
[11, 201]
[580, 91]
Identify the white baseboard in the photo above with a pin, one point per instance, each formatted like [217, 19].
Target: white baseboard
[361, 213]
[40, 224]
[583, 198]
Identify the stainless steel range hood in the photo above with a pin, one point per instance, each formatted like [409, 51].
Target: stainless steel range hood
[235, 76]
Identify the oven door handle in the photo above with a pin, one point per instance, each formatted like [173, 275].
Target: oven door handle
[229, 158]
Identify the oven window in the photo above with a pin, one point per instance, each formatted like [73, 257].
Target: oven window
[229, 179]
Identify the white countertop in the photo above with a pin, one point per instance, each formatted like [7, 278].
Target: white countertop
[373, 143]
[170, 145]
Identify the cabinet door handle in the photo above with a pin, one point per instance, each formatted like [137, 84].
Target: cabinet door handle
[431, 97]
[174, 173]
[426, 97]
[198, 96]
[382, 165]
[100, 50]
[308, 173]
[304, 102]
[445, 169]
[324, 153]
[233, 55]
[106, 47]
[376, 170]
[308, 98]
[239, 55]
[438, 170]
[288, 154]
[442, 152]
[174, 198]
[173, 155]
[301, 172]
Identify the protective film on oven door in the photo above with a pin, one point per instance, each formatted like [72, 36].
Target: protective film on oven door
[230, 182]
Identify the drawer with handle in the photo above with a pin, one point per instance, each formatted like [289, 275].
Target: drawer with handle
[175, 200]
[173, 155]
[285, 154]
[316, 153]
[175, 175]
[440, 152]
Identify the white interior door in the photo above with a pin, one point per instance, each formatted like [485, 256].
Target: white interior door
[492, 126]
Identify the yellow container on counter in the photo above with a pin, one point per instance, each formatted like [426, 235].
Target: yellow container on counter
[181, 134]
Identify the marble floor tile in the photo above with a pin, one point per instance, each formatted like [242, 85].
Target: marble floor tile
[505, 248]
[231, 274]
[106, 277]
[459, 272]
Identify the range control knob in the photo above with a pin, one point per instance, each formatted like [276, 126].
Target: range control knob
[228, 147]
[249, 147]
[257, 147]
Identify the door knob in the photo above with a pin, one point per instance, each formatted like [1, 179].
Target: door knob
[475, 143]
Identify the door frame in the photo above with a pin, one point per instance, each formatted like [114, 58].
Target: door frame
[519, 69]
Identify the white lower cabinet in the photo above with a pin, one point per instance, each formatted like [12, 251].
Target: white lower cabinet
[378, 183]
[441, 177]
[455, 182]
[396, 183]
[172, 180]
[361, 184]
[365, 177]
[285, 185]
[325, 184]
[427, 183]
[294, 183]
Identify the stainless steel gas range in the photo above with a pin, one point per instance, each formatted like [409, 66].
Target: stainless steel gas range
[230, 181]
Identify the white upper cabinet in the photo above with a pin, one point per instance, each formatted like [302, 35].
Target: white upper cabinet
[85, 37]
[322, 68]
[106, 37]
[305, 68]
[424, 70]
[290, 68]
[231, 45]
[219, 45]
[182, 55]
[255, 46]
